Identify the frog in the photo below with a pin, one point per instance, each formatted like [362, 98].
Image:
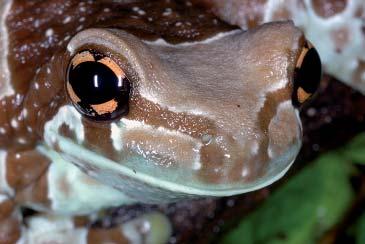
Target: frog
[110, 103]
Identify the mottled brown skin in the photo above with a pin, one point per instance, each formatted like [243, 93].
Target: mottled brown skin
[327, 8]
[254, 10]
[112, 235]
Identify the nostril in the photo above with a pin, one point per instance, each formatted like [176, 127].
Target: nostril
[307, 74]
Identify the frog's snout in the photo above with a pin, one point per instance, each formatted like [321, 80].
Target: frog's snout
[307, 74]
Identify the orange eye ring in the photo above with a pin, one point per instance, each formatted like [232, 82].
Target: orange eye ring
[97, 86]
[307, 74]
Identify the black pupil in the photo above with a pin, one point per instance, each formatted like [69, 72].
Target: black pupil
[308, 75]
[95, 83]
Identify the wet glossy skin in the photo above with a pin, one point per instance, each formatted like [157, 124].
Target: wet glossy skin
[210, 114]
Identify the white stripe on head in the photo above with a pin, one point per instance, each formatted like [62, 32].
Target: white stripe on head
[66, 115]
[3, 198]
[4, 186]
[162, 42]
[6, 88]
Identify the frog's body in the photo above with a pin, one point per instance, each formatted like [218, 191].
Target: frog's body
[207, 113]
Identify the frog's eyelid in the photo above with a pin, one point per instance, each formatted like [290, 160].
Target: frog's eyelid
[82, 57]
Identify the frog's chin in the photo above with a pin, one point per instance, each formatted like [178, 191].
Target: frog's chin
[146, 187]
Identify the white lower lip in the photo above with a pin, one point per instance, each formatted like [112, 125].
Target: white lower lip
[137, 183]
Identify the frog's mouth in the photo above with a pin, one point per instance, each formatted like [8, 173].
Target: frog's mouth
[139, 177]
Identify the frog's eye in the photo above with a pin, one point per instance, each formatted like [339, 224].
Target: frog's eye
[307, 74]
[97, 86]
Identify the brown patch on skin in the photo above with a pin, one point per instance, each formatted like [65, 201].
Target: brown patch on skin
[6, 209]
[341, 37]
[329, 8]
[23, 168]
[18, 137]
[302, 95]
[265, 116]
[82, 57]
[65, 131]
[142, 110]
[64, 186]
[36, 193]
[360, 12]
[10, 230]
[301, 5]
[282, 122]
[272, 102]
[7, 108]
[104, 108]
[245, 13]
[81, 221]
[113, 235]
[255, 167]
[113, 66]
[359, 72]
[214, 167]
[98, 139]
[43, 103]
[173, 21]
[218, 169]
[282, 14]
[30, 47]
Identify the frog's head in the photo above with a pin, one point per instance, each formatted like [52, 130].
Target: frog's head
[161, 121]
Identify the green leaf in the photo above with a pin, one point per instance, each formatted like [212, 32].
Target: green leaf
[301, 210]
[355, 150]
